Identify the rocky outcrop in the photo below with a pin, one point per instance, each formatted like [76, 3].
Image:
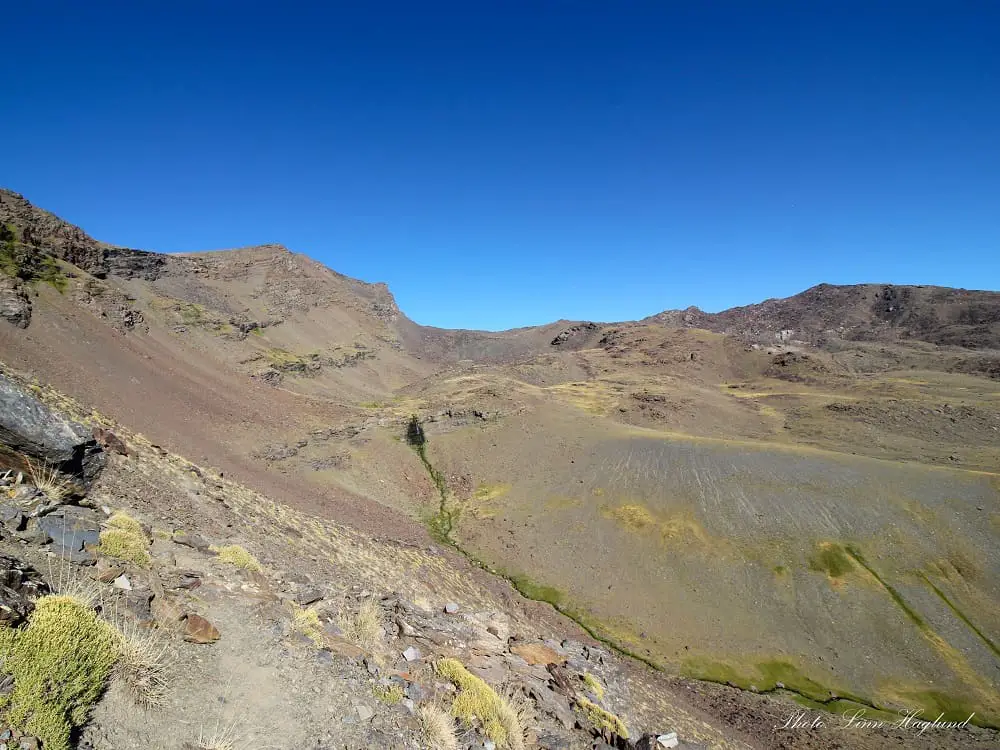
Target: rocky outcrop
[20, 586]
[574, 332]
[15, 306]
[111, 304]
[30, 428]
[135, 264]
[38, 228]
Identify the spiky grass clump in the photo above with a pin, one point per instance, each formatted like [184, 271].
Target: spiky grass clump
[364, 628]
[60, 664]
[141, 667]
[50, 481]
[236, 555]
[305, 620]
[604, 721]
[438, 727]
[478, 700]
[594, 685]
[124, 539]
[222, 738]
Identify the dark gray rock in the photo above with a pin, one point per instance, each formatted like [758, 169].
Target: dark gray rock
[307, 595]
[29, 427]
[11, 517]
[20, 586]
[74, 532]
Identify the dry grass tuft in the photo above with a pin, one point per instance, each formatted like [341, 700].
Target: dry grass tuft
[365, 627]
[438, 727]
[141, 669]
[305, 620]
[222, 738]
[50, 481]
[236, 555]
[501, 721]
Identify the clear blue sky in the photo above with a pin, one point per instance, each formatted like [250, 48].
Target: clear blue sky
[502, 162]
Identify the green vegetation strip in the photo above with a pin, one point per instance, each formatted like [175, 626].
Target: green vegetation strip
[961, 616]
[442, 526]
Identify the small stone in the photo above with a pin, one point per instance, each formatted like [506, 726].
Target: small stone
[122, 582]
[166, 614]
[409, 705]
[416, 692]
[305, 597]
[194, 541]
[199, 630]
[667, 740]
[489, 745]
[29, 743]
[106, 571]
[451, 608]
[412, 653]
[364, 712]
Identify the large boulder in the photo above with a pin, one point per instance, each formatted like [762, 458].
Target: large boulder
[29, 427]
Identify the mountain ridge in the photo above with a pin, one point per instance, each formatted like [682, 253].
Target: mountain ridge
[891, 313]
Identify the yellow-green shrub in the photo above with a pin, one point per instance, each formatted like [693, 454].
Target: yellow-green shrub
[60, 663]
[124, 539]
[390, 694]
[477, 699]
[594, 684]
[601, 719]
[305, 620]
[236, 555]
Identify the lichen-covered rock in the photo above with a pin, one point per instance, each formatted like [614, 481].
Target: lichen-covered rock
[29, 427]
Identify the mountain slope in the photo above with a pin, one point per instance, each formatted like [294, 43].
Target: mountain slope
[803, 491]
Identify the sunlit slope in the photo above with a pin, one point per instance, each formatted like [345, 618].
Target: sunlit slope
[746, 562]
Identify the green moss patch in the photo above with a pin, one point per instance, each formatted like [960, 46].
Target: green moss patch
[831, 559]
[60, 664]
[761, 676]
[537, 591]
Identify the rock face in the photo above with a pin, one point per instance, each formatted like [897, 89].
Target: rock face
[15, 307]
[39, 228]
[30, 427]
[134, 264]
[573, 332]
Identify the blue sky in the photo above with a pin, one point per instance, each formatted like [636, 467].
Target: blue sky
[504, 162]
